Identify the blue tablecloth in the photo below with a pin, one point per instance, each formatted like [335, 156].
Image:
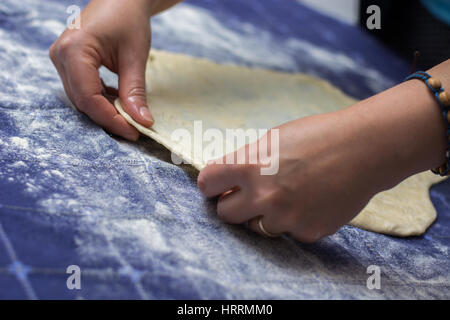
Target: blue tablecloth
[136, 225]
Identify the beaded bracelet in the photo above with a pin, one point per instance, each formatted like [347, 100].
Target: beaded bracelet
[443, 99]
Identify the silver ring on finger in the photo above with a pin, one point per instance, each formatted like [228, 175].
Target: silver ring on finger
[264, 231]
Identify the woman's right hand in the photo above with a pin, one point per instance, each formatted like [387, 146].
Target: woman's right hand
[115, 34]
[325, 168]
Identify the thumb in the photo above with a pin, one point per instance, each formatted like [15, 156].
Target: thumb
[132, 91]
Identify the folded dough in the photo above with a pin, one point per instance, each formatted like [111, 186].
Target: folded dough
[185, 89]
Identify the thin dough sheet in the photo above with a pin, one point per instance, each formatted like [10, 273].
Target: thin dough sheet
[185, 89]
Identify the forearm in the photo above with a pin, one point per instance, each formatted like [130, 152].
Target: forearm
[147, 7]
[158, 6]
[404, 128]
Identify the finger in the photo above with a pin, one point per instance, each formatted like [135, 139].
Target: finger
[62, 74]
[228, 193]
[86, 88]
[271, 227]
[132, 88]
[235, 207]
[216, 179]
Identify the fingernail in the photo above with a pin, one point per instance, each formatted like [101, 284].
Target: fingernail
[146, 114]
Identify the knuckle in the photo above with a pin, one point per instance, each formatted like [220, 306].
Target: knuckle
[64, 45]
[137, 90]
[52, 52]
[81, 102]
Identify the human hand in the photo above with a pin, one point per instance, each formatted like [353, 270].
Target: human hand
[331, 165]
[320, 184]
[115, 34]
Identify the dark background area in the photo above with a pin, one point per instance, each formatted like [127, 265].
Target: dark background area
[407, 26]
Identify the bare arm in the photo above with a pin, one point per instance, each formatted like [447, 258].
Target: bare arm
[158, 6]
[331, 165]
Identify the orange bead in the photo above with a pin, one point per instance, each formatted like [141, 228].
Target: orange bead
[445, 98]
[434, 83]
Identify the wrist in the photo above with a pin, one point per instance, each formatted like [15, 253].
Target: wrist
[121, 11]
[404, 131]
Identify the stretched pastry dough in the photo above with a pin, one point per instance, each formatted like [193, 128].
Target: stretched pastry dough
[184, 89]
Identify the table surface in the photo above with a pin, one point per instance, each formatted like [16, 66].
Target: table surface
[136, 225]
